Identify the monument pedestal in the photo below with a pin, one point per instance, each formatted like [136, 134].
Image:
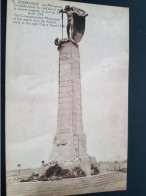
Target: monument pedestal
[69, 145]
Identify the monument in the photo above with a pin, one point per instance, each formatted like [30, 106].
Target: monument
[69, 145]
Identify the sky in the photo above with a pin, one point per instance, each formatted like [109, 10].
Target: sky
[32, 86]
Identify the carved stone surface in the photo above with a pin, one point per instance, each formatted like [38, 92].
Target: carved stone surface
[69, 146]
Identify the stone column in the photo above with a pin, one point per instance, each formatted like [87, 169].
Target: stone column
[70, 142]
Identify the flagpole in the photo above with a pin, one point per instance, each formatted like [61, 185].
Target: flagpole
[62, 25]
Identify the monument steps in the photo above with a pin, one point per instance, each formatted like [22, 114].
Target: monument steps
[66, 186]
[101, 177]
[92, 178]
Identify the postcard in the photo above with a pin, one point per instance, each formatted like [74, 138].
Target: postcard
[67, 67]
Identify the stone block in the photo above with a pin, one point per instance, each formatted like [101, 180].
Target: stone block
[65, 105]
[68, 77]
[66, 83]
[77, 107]
[75, 112]
[64, 122]
[65, 100]
[65, 56]
[65, 116]
[65, 62]
[65, 66]
[65, 111]
[64, 131]
[65, 72]
[66, 88]
[66, 94]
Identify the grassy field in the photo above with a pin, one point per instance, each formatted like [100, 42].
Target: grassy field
[111, 181]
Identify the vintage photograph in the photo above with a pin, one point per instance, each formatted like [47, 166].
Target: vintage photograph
[67, 67]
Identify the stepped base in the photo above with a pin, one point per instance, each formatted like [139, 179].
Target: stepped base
[111, 181]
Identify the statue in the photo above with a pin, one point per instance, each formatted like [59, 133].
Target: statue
[75, 22]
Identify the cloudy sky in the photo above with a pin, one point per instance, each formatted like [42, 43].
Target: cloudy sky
[32, 86]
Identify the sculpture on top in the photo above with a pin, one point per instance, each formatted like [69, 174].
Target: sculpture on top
[75, 23]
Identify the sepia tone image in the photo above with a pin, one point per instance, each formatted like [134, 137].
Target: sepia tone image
[66, 98]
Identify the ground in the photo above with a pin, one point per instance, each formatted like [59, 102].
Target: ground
[110, 181]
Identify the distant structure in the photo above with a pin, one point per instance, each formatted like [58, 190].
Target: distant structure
[69, 146]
